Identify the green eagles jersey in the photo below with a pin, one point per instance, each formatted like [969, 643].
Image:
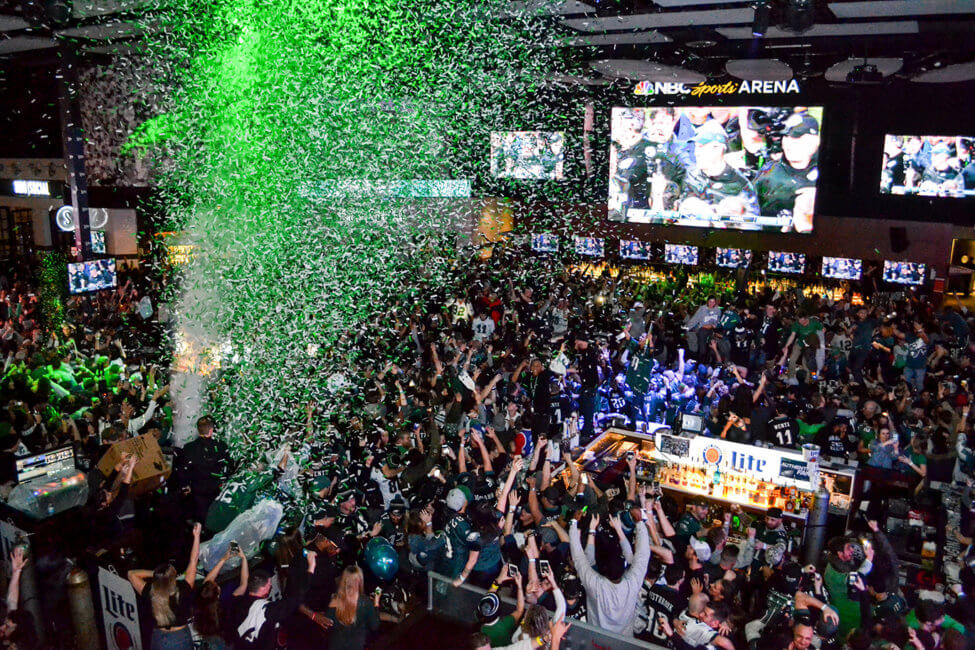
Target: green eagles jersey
[237, 496]
[640, 368]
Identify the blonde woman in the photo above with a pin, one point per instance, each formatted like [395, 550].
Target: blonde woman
[170, 600]
[354, 614]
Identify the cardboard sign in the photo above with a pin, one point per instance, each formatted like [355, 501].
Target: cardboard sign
[151, 469]
[120, 612]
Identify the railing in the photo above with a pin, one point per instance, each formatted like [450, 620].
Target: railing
[460, 603]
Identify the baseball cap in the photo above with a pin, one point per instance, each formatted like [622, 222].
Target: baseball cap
[701, 503]
[775, 513]
[457, 499]
[701, 549]
[791, 576]
[547, 535]
[799, 125]
[710, 131]
[488, 606]
[553, 494]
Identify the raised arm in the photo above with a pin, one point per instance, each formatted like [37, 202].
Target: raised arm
[516, 466]
[18, 560]
[665, 527]
[485, 457]
[245, 574]
[190, 576]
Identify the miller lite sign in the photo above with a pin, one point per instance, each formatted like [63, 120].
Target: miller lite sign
[120, 611]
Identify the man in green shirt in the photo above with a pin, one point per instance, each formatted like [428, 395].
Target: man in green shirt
[809, 337]
[499, 629]
[640, 369]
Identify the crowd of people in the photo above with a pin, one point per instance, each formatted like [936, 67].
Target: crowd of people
[457, 450]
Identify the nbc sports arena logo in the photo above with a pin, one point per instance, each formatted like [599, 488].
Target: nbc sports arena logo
[712, 455]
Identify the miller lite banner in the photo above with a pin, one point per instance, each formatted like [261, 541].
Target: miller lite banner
[779, 466]
[120, 611]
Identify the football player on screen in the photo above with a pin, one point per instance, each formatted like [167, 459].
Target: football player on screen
[644, 161]
[787, 188]
[942, 177]
[714, 191]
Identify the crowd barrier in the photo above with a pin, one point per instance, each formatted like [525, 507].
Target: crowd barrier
[458, 604]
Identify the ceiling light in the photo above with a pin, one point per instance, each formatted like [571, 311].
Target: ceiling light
[763, 12]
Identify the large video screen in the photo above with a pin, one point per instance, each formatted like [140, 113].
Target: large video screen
[779, 262]
[904, 272]
[545, 243]
[589, 246]
[732, 258]
[842, 268]
[92, 276]
[528, 155]
[680, 254]
[631, 249]
[749, 167]
[929, 165]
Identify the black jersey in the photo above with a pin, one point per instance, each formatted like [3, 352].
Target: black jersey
[713, 189]
[783, 432]
[777, 186]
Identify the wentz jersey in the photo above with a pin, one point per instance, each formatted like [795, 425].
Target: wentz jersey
[656, 600]
[783, 432]
[777, 186]
[713, 189]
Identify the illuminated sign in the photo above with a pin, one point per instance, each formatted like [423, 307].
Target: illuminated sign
[756, 87]
[32, 188]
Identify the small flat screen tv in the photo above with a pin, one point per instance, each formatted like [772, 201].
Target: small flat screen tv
[93, 275]
[528, 155]
[842, 268]
[904, 272]
[680, 254]
[545, 243]
[782, 262]
[589, 246]
[632, 249]
[732, 258]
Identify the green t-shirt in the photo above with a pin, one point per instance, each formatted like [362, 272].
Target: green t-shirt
[500, 632]
[803, 332]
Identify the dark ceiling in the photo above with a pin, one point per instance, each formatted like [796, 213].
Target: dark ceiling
[660, 40]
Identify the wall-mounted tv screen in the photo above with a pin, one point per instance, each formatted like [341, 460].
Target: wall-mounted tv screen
[98, 242]
[929, 165]
[589, 246]
[631, 249]
[904, 272]
[749, 167]
[680, 254]
[528, 155]
[545, 243]
[781, 262]
[94, 275]
[842, 268]
[732, 258]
